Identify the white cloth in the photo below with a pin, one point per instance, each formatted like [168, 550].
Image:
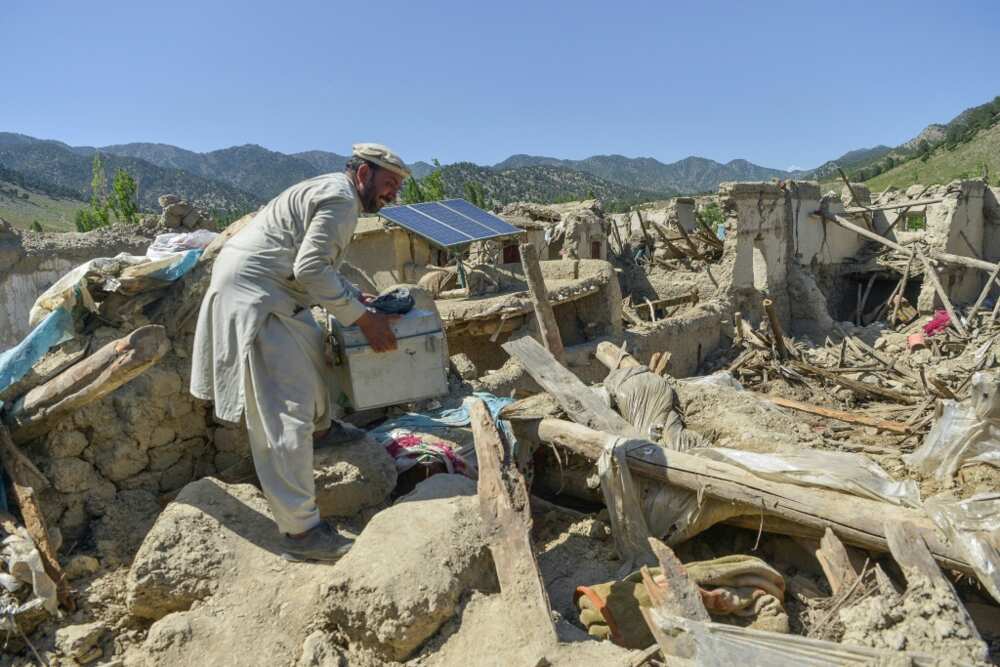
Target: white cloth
[287, 258]
[286, 400]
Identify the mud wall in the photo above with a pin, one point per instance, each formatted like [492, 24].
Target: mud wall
[956, 226]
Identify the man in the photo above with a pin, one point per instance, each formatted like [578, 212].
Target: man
[259, 353]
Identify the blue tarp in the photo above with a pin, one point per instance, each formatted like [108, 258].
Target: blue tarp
[179, 267]
[17, 361]
[443, 418]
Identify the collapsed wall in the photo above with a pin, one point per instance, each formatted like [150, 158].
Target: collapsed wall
[31, 262]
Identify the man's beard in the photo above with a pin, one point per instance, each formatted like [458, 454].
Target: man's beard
[370, 202]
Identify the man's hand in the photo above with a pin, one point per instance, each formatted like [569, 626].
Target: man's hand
[378, 333]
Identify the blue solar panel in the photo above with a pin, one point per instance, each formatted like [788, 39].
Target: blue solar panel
[449, 223]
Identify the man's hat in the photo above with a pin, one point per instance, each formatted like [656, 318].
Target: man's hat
[382, 156]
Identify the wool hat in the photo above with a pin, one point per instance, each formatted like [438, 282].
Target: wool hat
[382, 156]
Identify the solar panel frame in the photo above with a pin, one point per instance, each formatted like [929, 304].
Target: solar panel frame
[450, 223]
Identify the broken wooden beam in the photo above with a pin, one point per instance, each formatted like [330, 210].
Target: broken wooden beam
[931, 273]
[504, 507]
[855, 520]
[581, 403]
[87, 381]
[891, 207]
[776, 332]
[858, 387]
[24, 482]
[962, 260]
[540, 300]
[835, 563]
[839, 415]
[910, 550]
[861, 231]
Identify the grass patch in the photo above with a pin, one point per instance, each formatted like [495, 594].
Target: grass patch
[21, 207]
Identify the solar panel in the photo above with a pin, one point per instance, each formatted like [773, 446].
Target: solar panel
[449, 223]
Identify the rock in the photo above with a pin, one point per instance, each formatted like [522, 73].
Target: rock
[126, 522]
[81, 565]
[64, 444]
[409, 568]
[169, 632]
[121, 459]
[177, 209]
[167, 200]
[179, 561]
[462, 366]
[191, 220]
[352, 476]
[71, 475]
[319, 650]
[80, 641]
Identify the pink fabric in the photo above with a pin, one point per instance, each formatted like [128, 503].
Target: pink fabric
[938, 323]
[410, 445]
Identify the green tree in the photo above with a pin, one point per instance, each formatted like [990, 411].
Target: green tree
[430, 188]
[411, 193]
[36, 226]
[475, 194]
[123, 200]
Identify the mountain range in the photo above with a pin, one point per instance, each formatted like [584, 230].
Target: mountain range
[242, 177]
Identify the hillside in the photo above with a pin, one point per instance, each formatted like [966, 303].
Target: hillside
[21, 206]
[56, 163]
[540, 183]
[690, 175]
[944, 164]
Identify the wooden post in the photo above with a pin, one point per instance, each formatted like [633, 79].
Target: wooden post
[506, 514]
[540, 300]
[608, 354]
[932, 275]
[987, 288]
[902, 291]
[776, 332]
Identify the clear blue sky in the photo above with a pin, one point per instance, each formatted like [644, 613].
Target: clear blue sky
[777, 83]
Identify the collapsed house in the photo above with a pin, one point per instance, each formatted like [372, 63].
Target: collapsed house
[798, 477]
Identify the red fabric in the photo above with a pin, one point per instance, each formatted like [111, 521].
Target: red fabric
[938, 323]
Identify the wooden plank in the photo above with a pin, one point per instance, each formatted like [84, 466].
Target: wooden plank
[858, 387]
[909, 549]
[861, 231]
[540, 300]
[962, 260]
[505, 508]
[891, 207]
[89, 380]
[836, 564]
[931, 273]
[855, 520]
[577, 399]
[34, 521]
[839, 415]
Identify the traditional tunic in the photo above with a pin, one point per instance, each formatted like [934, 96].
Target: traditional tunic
[257, 350]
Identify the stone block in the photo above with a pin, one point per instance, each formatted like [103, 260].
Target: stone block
[408, 570]
[352, 476]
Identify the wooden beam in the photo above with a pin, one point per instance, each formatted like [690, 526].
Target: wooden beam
[861, 231]
[931, 273]
[961, 260]
[776, 332]
[577, 399]
[855, 520]
[89, 380]
[34, 520]
[891, 207]
[909, 549]
[836, 564]
[504, 506]
[540, 300]
[987, 288]
[839, 415]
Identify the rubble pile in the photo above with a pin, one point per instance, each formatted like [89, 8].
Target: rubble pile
[765, 440]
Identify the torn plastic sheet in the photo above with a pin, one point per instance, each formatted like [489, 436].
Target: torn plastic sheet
[846, 472]
[72, 288]
[25, 563]
[17, 361]
[718, 378]
[167, 245]
[974, 525]
[963, 433]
